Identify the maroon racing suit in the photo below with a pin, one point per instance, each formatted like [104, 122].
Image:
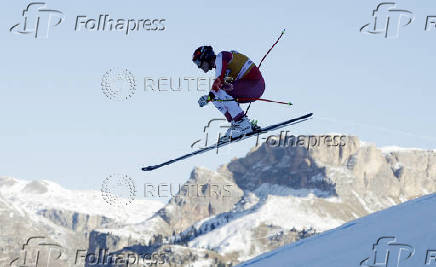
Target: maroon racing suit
[248, 83]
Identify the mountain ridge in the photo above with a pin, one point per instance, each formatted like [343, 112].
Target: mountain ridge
[278, 195]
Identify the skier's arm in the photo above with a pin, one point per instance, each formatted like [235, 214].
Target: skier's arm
[221, 61]
[217, 84]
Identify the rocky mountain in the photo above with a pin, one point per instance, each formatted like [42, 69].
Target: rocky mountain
[281, 192]
[275, 195]
[41, 217]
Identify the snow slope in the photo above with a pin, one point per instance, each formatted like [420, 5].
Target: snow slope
[407, 231]
[284, 211]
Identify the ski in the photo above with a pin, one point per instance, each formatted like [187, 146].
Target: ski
[221, 144]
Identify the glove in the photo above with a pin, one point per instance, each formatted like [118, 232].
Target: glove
[203, 100]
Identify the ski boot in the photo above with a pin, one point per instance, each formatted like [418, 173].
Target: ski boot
[238, 129]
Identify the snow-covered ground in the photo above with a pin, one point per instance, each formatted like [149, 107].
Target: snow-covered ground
[402, 235]
[284, 211]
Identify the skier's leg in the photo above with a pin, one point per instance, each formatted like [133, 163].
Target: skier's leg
[247, 89]
[230, 109]
[234, 114]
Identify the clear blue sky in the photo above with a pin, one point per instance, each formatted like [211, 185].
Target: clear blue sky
[56, 124]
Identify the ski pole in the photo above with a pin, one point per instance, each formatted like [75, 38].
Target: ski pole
[260, 99]
[283, 32]
[251, 98]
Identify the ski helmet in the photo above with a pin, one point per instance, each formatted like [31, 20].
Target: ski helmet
[203, 53]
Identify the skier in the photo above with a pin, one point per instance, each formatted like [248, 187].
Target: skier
[238, 80]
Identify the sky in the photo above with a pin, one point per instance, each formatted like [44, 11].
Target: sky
[56, 124]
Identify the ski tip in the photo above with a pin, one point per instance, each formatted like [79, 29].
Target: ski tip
[307, 116]
[149, 168]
